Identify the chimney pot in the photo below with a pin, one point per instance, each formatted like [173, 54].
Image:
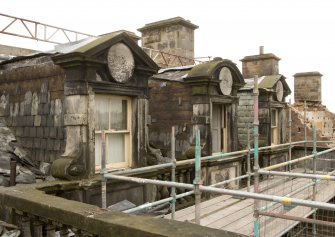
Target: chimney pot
[261, 50]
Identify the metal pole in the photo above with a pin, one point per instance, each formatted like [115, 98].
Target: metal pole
[297, 175]
[289, 195]
[192, 161]
[143, 169]
[197, 180]
[173, 172]
[235, 193]
[103, 172]
[314, 172]
[296, 218]
[290, 135]
[298, 159]
[12, 179]
[146, 205]
[256, 162]
[152, 204]
[248, 159]
[305, 135]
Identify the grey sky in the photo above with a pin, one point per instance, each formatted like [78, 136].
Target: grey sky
[297, 31]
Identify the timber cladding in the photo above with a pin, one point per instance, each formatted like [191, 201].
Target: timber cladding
[32, 105]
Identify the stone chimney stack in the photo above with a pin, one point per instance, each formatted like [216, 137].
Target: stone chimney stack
[261, 65]
[174, 36]
[307, 86]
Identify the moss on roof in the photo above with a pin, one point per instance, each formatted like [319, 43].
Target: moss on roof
[204, 69]
[269, 81]
[98, 41]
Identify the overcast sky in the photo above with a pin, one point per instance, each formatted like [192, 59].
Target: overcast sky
[300, 32]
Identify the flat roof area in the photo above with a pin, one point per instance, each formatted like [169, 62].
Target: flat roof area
[236, 215]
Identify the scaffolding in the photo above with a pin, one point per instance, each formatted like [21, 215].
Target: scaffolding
[266, 205]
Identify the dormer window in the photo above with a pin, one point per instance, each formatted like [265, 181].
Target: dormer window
[112, 115]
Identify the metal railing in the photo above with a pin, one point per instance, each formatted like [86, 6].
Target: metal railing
[197, 187]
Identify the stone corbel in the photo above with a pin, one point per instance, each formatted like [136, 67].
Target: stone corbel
[71, 165]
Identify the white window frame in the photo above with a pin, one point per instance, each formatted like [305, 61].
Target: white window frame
[223, 126]
[127, 138]
[274, 127]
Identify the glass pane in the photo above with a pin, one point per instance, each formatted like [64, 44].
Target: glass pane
[118, 114]
[101, 113]
[115, 148]
[97, 149]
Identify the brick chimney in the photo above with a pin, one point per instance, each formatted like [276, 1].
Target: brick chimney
[307, 86]
[174, 35]
[261, 65]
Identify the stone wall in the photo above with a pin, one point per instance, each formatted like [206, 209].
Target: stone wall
[307, 86]
[170, 105]
[174, 36]
[245, 117]
[32, 103]
[260, 65]
[318, 116]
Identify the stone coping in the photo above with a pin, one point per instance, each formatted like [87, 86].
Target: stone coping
[32, 200]
[167, 22]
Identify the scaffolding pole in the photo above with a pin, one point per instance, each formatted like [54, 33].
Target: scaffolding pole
[256, 160]
[103, 172]
[248, 159]
[272, 167]
[297, 175]
[197, 179]
[305, 135]
[296, 218]
[234, 193]
[314, 172]
[290, 135]
[173, 172]
[288, 195]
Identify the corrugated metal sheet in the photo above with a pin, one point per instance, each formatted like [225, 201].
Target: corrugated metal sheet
[174, 74]
[264, 82]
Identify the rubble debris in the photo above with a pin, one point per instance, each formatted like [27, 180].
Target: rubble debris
[25, 176]
[45, 168]
[11, 233]
[4, 181]
[10, 149]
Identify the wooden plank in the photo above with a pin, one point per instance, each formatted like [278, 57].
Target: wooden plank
[190, 210]
[212, 209]
[226, 213]
[236, 213]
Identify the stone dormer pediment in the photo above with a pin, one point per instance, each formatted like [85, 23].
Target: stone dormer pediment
[275, 84]
[222, 74]
[114, 57]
